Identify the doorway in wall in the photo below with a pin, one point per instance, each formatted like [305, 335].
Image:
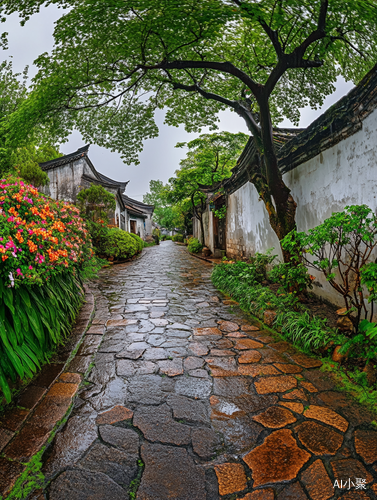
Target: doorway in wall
[133, 226]
[219, 225]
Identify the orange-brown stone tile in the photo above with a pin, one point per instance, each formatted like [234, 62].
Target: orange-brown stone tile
[281, 383]
[355, 495]
[308, 386]
[237, 335]
[350, 468]
[116, 414]
[27, 442]
[230, 303]
[280, 346]
[30, 397]
[206, 332]
[256, 370]
[231, 478]
[271, 356]
[13, 419]
[247, 344]
[374, 488]
[250, 357]
[275, 417]
[366, 445]
[288, 368]
[277, 459]
[317, 481]
[264, 494]
[305, 361]
[249, 328]
[296, 407]
[9, 473]
[5, 437]
[71, 378]
[327, 416]
[318, 439]
[62, 390]
[296, 394]
[228, 326]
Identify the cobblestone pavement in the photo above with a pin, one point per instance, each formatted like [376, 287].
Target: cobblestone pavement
[188, 400]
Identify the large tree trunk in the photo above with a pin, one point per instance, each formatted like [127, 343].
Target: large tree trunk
[268, 180]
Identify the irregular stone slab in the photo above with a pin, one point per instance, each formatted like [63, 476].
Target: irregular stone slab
[145, 326]
[116, 464]
[281, 383]
[198, 373]
[204, 442]
[156, 340]
[249, 328]
[116, 414]
[177, 352]
[102, 373]
[264, 494]
[145, 389]
[206, 332]
[191, 363]
[14, 418]
[163, 466]
[71, 443]
[155, 353]
[130, 354]
[349, 468]
[277, 459]
[224, 409]
[327, 416]
[319, 439]
[138, 346]
[5, 437]
[296, 394]
[231, 387]
[146, 368]
[114, 393]
[194, 388]
[257, 370]
[125, 368]
[231, 478]
[221, 352]
[317, 481]
[181, 334]
[222, 367]
[221, 344]
[237, 335]
[80, 364]
[242, 344]
[171, 367]
[228, 326]
[252, 403]
[250, 357]
[292, 492]
[275, 418]
[157, 424]
[288, 368]
[239, 433]
[90, 345]
[308, 386]
[179, 326]
[199, 349]
[305, 361]
[125, 439]
[158, 321]
[188, 409]
[296, 407]
[366, 445]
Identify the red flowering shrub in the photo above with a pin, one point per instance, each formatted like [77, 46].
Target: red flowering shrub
[39, 237]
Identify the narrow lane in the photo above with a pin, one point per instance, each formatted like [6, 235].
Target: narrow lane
[188, 400]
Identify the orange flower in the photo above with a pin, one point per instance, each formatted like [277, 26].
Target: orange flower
[32, 246]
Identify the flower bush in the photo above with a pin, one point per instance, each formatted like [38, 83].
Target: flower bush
[39, 237]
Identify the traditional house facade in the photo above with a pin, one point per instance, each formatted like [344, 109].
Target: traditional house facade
[71, 173]
[329, 165]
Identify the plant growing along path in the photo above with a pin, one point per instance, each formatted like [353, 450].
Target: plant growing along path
[189, 400]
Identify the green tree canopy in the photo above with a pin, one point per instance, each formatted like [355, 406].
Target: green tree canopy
[166, 215]
[116, 61]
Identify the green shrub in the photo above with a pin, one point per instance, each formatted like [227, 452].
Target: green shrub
[149, 244]
[33, 320]
[291, 276]
[118, 244]
[178, 237]
[194, 245]
[139, 242]
[168, 237]
[306, 332]
[260, 262]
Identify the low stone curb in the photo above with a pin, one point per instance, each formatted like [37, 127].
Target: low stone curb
[211, 261]
[29, 425]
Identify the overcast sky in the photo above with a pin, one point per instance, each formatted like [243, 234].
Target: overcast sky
[159, 158]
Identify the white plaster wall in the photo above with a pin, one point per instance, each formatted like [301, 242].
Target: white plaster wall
[345, 174]
[65, 181]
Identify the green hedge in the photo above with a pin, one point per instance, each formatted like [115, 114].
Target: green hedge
[33, 320]
[118, 244]
[139, 241]
[194, 245]
[178, 237]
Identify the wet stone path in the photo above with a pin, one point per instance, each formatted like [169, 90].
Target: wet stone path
[188, 400]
